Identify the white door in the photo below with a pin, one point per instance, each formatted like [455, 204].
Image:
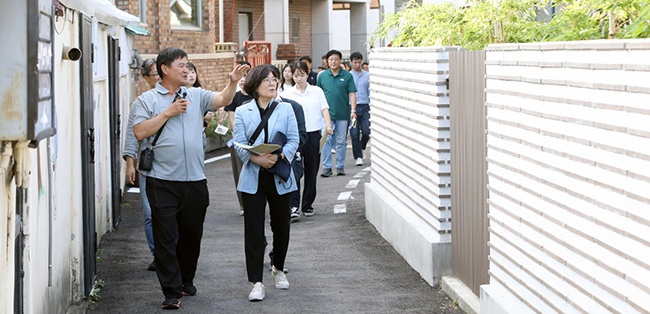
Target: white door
[244, 28]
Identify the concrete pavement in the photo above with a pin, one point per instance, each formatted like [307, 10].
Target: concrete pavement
[337, 261]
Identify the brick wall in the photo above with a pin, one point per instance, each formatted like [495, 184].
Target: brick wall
[162, 35]
[199, 44]
[289, 52]
[302, 9]
[213, 70]
[232, 8]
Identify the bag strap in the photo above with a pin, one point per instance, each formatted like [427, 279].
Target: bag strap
[178, 95]
[263, 123]
[158, 135]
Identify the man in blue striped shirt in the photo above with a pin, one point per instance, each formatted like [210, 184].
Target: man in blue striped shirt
[362, 82]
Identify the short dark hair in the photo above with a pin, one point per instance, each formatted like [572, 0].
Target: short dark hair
[365, 63]
[299, 66]
[146, 66]
[303, 58]
[333, 52]
[256, 76]
[167, 56]
[356, 56]
[197, 83]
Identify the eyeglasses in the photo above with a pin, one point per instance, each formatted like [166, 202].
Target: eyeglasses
[270, 80]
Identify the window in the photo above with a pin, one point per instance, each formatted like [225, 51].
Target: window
[185, 13]
[295, 28]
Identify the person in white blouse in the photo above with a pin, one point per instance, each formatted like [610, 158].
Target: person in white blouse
[286, 81]
[317, 118]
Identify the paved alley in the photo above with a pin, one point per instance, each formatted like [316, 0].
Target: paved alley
[337, 261]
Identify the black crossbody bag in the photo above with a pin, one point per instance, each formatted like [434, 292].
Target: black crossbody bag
[145, 162]
[282, 168]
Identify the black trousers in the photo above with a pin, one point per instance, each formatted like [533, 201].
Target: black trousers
[311, 163]
[236, 164]
[178, 212]
[254, 220]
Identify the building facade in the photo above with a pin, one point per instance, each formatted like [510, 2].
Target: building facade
[65, 90]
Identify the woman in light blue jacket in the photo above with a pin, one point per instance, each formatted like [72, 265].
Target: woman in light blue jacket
[259, 186]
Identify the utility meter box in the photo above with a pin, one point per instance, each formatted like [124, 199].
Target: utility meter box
[26, 89]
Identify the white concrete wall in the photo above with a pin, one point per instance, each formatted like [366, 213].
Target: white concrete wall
[569, 175]
[52, 219]
[408, 197]
[45, 289]
[341, 32]
[321, 32]
[359, 28]
[276, 23]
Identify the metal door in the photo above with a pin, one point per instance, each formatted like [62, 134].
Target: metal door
[114, 121]
[87, 155]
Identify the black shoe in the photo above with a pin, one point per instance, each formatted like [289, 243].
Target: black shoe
[171, 304]
[326, 172]
[152, 266]
[340, 172]
[308, 212]
[189, 290]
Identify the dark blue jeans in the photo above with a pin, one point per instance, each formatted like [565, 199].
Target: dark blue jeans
[363, 127]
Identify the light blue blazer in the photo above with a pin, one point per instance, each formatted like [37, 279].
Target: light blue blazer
[283, 119]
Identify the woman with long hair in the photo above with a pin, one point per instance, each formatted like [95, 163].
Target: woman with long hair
[286, 81]
[193, 76]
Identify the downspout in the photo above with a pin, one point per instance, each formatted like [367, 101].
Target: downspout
[221, 20]
[21, 168]
[13, 229]
[5, 160]
[23, 165]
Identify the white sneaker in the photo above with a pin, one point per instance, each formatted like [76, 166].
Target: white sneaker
[359, 162]
[281, 281]
[333, 151]
[257, 294]
[294, 214]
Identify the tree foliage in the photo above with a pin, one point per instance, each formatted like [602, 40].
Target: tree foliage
[515, 21]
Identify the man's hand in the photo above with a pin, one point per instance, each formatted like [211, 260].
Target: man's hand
[130, 171]
[178, 107]
[208, 117]
[238, 72]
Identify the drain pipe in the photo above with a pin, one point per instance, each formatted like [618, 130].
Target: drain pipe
[15, 214]
[221, 20]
